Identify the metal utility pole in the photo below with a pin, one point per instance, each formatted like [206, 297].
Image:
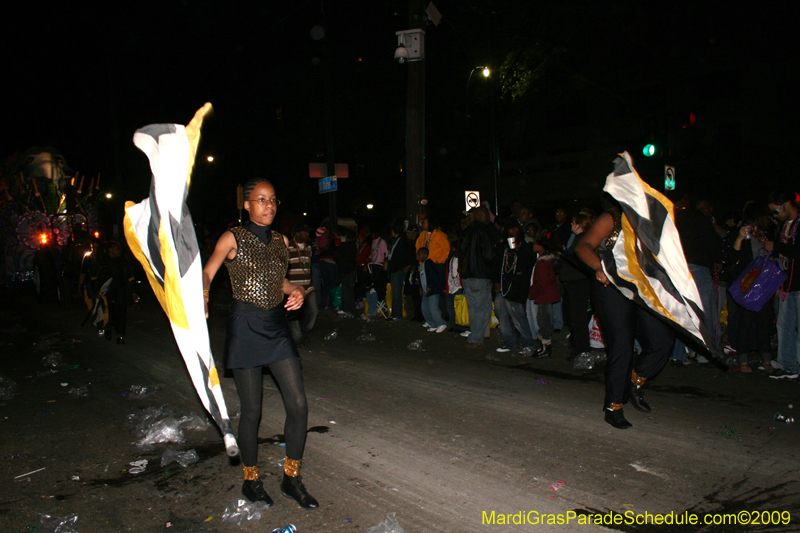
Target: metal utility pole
[328, 89]
[415, 121]
[495, 147]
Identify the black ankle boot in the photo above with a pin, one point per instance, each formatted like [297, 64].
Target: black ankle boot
[292, 487]
[617, 419]
[636, 398]
[254, 491]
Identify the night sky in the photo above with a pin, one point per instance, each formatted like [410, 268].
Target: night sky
[84, 79]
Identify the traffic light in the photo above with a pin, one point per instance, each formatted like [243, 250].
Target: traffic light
[649, 150]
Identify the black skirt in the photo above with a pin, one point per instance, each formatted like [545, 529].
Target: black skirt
[257, 337]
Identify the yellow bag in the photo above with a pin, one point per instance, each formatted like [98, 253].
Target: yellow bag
[462, 314]
[389, 300]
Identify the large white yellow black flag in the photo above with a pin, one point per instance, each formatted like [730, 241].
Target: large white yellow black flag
[161, 234]
[646, 262]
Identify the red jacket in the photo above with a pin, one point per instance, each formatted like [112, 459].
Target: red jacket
[544, 288]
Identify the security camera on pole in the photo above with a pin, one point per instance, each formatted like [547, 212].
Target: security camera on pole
[411, 50]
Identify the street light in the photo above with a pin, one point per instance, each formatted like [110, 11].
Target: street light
[487, 73]
[370, 206]
[210, 158]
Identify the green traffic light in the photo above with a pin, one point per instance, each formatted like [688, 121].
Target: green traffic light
[649, 150]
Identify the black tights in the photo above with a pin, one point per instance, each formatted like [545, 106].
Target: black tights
[288, 374]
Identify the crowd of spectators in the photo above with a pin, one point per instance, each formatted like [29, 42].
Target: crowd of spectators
[525, 276]
[508, 269]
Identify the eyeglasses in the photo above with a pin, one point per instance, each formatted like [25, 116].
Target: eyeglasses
[778, 210]
[263, 201]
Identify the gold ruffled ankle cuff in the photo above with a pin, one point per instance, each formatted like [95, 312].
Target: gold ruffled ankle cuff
[250, 473]
[636, 379]
[615, 407]
[291, 467]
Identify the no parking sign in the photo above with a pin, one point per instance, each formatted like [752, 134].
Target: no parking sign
[472, 199]
[669, 178]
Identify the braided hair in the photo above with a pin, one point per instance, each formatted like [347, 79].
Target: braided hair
[251, 184]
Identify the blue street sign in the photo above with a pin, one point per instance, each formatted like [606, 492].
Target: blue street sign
[327, 184]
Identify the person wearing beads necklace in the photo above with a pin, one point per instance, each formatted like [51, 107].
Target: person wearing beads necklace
[258, 335]
[785, 208]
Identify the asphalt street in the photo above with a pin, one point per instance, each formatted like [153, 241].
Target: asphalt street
[448, 439]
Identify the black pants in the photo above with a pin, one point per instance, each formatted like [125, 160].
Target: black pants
[349, 291]
[416, 304]
[441, 270]
[118, 311]
[289, 375]
[576, 307]
[623, 322]
[758, 322]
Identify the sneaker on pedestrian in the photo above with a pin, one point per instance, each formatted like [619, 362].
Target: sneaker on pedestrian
[729, 350]
[776, 365]
[426, 325]
[525, 352]
[464, 333]
[503, 349]
[431, 329]
[441, 329]
[783, 374]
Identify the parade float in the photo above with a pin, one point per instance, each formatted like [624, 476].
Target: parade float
[47, 218]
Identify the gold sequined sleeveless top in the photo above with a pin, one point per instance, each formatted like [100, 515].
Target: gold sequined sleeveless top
[258, 270]
[609, 242]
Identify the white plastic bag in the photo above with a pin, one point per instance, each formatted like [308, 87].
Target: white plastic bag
[595, 334]
[242, 510]
[390, 525]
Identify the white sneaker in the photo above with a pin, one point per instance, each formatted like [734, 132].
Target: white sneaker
[431, 329]
[426, 325]
[441, 329]
[783, 374]
[464, 333]
[503, 349]
[525, 352]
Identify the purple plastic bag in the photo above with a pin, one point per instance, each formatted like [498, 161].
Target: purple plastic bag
[757, 283]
